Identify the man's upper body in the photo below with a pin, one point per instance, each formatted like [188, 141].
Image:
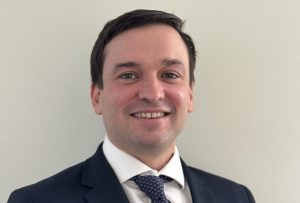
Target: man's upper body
[142, 69]
[94, 181]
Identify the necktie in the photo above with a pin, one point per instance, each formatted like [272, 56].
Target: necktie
[153, 187]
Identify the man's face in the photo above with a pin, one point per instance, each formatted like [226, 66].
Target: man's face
[146, 94]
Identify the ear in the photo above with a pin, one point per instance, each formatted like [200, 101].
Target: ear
[96, 98]
[191, 97]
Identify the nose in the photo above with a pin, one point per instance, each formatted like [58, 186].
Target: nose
[151, 89]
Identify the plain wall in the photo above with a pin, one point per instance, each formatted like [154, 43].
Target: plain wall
[246, 123]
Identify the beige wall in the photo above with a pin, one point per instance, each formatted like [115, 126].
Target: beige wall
[246, 123]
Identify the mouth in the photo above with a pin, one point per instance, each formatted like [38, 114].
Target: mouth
[150, 115]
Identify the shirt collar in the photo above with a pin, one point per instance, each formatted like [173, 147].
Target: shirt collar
[126, 166]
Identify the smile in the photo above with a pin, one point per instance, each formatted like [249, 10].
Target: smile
[149, 115]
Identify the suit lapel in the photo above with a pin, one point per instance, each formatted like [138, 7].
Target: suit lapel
[100, 177]
[106, 193]
[199, 190]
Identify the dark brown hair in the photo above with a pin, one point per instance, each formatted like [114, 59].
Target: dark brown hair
[134, 19]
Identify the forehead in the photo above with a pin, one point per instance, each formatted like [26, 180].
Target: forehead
[146, 44]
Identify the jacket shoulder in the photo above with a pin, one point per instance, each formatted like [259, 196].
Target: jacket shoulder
[64, 183]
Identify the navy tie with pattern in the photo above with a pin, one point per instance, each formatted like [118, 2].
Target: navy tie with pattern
[153, 187]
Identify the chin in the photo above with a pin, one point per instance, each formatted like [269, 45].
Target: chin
[155, 140]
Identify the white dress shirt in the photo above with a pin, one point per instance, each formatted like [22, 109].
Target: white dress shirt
[126, 166]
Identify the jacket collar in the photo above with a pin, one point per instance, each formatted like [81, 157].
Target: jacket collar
[100, 177]
[198, 187]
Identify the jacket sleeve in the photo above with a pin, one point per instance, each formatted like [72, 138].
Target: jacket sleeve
[20, 196]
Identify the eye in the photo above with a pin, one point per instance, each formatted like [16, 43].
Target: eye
[128, 76]
[170, 75]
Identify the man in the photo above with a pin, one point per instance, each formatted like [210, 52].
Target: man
[142, 68]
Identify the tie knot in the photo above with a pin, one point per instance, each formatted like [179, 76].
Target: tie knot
[153, 187]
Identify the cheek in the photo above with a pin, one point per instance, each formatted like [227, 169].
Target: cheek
[116, 99]
[182, 98]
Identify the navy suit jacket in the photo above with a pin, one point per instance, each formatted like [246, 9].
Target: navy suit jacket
[94, 181]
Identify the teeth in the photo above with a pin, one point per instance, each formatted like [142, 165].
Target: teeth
[149, 115]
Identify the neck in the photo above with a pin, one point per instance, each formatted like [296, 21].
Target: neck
[154, 157]
[156, 161]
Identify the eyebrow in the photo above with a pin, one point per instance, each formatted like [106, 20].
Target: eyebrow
[171, 62]
[128, 64]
